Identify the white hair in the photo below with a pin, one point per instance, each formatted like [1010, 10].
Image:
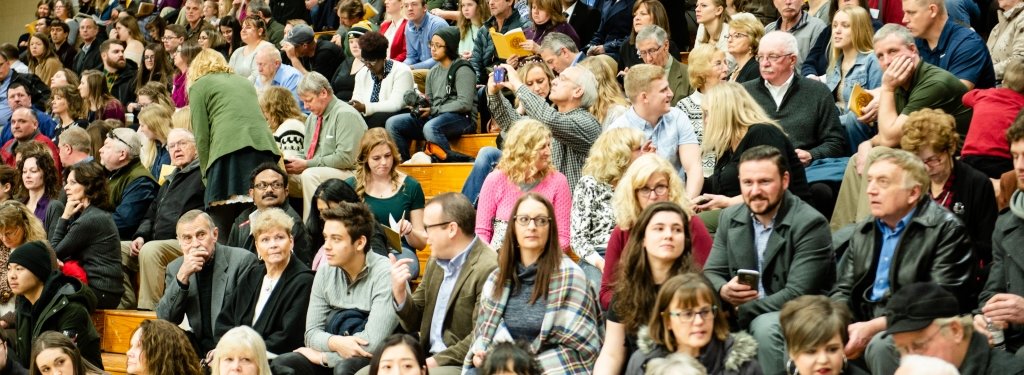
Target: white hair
[587, 81]
[922, 365]
[675, 364]
[652, 32]
[787, 40]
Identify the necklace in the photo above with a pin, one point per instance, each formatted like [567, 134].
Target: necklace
[268, 283]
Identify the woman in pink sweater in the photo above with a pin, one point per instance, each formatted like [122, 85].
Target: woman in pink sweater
[525, 166]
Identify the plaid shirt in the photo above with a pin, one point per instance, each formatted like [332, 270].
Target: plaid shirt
[570, 332]
[572, 132]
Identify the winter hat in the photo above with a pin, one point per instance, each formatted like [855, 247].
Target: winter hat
[35, 257]
[450, 35]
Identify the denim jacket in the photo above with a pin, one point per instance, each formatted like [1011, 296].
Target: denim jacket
[865, 71]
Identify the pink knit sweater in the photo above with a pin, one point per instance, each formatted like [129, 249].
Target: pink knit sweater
[499, 194]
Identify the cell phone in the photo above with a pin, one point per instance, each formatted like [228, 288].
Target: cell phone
[499, 74]
[748, 277]
[701, 200]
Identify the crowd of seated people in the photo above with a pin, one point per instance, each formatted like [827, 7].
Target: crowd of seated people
[711, 188]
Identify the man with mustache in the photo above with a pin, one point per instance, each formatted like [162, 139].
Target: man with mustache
[120, 72]
[778, 235]
[269, 188]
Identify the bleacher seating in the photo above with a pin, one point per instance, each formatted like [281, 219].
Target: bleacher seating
[116, 328]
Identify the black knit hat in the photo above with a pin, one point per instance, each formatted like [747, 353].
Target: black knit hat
[35, 257]
[450, 35]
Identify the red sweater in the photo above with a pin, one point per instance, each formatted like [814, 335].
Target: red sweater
[994, 111]
[701, 246]
[398, 44]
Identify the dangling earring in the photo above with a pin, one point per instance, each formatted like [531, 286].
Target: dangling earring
[844, 362]
[791, 367]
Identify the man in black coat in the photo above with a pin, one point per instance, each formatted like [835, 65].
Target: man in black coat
[119, 70]
[155, 243]
[582, 19]
[89, 50]
[269, 188]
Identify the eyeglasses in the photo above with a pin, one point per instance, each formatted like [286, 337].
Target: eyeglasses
[539, 221]
[689, 315]
[178, 144]
[649, 52]
[369, 62]
[773, 58]
[933, 161]
[149, 57]
[169, 38]
[427, 227]
[188, 238]
[657, 190]
[113, 136]
[736, 35]
[437, 45]
[920, 345]
[266, 185]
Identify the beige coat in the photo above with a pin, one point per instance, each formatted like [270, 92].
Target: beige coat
[1007, 39]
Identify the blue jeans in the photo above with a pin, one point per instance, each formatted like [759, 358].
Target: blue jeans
[486, 160]
[404, 128]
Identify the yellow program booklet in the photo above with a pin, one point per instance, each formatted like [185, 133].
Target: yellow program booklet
[859, 98]
[507, 44]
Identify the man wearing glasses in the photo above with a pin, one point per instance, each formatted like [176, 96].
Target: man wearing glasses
[796, 21]
[778, 235]
[907, 239]
[652, 47]
[442, 307]
[131, 186]
[269, 190]
[924, 319]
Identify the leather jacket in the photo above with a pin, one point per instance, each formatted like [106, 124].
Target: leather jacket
[933, 247]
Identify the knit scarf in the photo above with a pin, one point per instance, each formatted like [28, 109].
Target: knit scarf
[1017, 204]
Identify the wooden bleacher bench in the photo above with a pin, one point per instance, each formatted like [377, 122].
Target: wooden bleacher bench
[470, 144]
[438, 178]
[115, 328]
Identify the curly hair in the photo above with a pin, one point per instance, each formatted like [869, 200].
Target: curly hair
[70, 94]
[731, 110]
[206, 62]
[278, 105]
[156, 118]
[269, 219]
[519, 157]
[684, 291]
[635, 285]
[93, 178]
[658, 17]
[701, 65]
[373, 46]
[167, 349]
[45, 164]
[14, 214]
[812, 321]
[612, 153]
[157, 93]
[371, 139]
[57, 340]
[609, 93]
[645, 167]
[930, 128]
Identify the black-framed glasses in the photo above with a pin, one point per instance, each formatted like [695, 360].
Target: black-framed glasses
[427, 227]
[687, 316]
[658, 190]
[113, 136]
[267, 185]
[539, 221]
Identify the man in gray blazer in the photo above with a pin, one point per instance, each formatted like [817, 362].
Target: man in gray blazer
[198, 282]
[443, 308]
[778, 235]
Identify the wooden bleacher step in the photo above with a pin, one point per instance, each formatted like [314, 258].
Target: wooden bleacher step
[115, 328]
[438, 178]
[470, 144]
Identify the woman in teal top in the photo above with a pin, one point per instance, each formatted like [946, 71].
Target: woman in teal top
[392, 196]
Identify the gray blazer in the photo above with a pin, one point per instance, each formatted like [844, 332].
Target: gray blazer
[231, 264]
[797, 261]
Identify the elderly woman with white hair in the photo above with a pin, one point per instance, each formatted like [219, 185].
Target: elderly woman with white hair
[240, 351]
[272, 298]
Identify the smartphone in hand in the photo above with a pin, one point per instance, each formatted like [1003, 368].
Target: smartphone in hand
[749, 278]
[499, 74]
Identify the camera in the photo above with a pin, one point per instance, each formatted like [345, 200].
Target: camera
[415, 102]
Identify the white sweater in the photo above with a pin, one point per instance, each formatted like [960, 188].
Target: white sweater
[392, 89]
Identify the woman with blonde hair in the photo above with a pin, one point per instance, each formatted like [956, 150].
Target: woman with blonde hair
[155, 123]
[42, 58]
[126, 29]
[218, 97]
[240, 351]
[593, 217]
[648, 180]
[745, 32]
[708, 66]
[392, 195]
[611, 102]
[524, 167]
[472, 14]
[285, 119]
[100, 105]
[852, 63]
[734, 124]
